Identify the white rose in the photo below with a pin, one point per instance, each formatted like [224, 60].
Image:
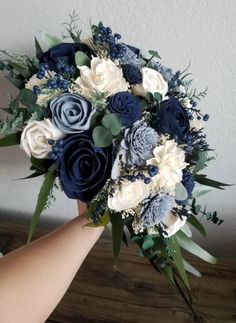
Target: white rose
[173, 223]
[196, 124]
[103, 76]
[152, 82]
[35, 136]
[170, 160]
[129, 196]
[43, 98]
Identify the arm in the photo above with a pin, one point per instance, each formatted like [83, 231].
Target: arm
[34, 278]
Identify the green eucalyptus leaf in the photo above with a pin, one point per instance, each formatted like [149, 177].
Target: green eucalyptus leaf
[42, 200]
[22, 70]
[95, 120]
[197, 225]
[11, 140]
[112, 122]
[158, 96]
[27, 97]
[50, 40]
[200, 190]
[181, 193]
[38, 49]
[17, 82]
[82, 59]
[201, 161]
[194, 248]
[147, 244]
[117, 233]
[102, 137]
[154, 53]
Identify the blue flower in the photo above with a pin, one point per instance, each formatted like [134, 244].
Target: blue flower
[138, 143]
[71, 113]
[127, 106]
[155, 209]
[188, 182]
[132, 74]
[83, 168]
[172, 119]
[63, 54]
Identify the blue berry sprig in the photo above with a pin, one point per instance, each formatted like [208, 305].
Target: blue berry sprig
[103, 37]
[57, 149]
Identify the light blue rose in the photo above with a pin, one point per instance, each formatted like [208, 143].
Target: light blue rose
[71, 113]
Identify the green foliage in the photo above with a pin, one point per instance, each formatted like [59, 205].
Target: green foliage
[188, 267]
[82, 59]
[154, 53]
[103, 221]
[38, 49]
[197, 225]
[181, 193]
[148, 242]
[202, 179]
[201, 157]
[112, 122]
[99, 101]
[178, 259]
[72, 28]
[200, 190]
[117, 233]
[11, 140]
[44, 195]
[50, 40]
[41, 165]
[102, 137]
[12, 122]
[194, 248]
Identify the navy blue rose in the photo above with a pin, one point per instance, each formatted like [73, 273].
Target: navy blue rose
[132, 74]
[83, 168]
[188, 182]
[172, 119]
[127, 106]
[63, 54]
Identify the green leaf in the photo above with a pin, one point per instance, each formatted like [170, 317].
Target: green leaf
[194, 248]
[201, 161]
[17, 82]
[188, 267]
[148, 243]
[102, 137]
[50, 40]
[42, 200]
[11, 140]
[27, 97]
[41, 164]
[95, 120]
[168, 272]
[158, 96]
[197, 225]
[33, 175]
[200, 190]
[154, 53]
[181, 193]
[112, 122]
[38, 49]
[178, 259]
[22, 70]
[202, 179]
[117, 233]
[81, 59]
[92, 207]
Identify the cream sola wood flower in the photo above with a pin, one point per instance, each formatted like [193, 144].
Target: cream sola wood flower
[103, 76]
[170, 159]
[35, 136]
[152, 81]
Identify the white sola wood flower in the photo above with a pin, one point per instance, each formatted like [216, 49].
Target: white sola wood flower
[152, 82]
[103, 76]
[35, 136]
[169, 158]
[129, 196]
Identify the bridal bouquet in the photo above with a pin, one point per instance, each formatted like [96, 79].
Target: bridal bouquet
[121, 132]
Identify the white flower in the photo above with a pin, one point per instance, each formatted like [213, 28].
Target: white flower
[170, 160]
[173, 223]
[129, 196]
[34, 138]
[43, 98]
[186, 102]
[152, 82]
[196, 124]
[103, 76]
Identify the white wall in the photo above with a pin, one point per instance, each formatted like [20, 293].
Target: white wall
[200, 31]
